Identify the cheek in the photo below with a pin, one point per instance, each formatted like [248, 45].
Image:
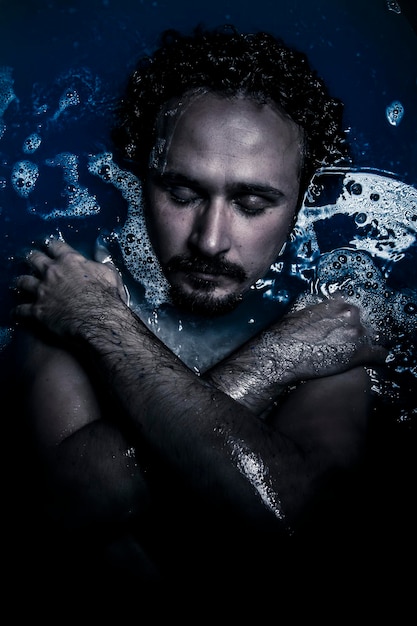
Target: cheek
[266, 241]
[261, 248]
[169, 234]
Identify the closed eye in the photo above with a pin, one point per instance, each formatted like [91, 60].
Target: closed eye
[183, 195]
[253, 204]
[250, 199]
[179, 188]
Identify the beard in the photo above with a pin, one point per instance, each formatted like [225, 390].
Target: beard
[201, 300]
[204, 303]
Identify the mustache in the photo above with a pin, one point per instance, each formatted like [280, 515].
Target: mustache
[216, 267]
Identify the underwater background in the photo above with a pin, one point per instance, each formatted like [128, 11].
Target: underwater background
[63, 67]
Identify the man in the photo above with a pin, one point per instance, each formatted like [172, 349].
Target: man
[157, 467]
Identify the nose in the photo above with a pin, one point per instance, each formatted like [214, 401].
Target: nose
[211, 233]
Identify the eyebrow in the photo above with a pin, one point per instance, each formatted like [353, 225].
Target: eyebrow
[177, 178]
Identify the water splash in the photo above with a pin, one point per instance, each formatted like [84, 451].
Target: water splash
[133, 239]
[378, 230]
[352, 231]
[381, 208]
[69, 98]
[253, 468]
[79, 202]
[77, 90]
[386, 311]
[7, 94]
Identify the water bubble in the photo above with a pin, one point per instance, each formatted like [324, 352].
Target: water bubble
[133, 238]
[393, 6]
[31, 143]
[410, 308]
[80, 203]
[394, 113]
[68, 99]
[354, 188]
[385, 228]
[24, 177]
[389, 310]
[6, 334]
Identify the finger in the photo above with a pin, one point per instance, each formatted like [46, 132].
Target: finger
[38, 260]
[350, 313]
[124, 293]
[379, 354]
[373, 355]
[109, 263]
[122, 290]
[56, 248]
[27, 283]
[23, 311]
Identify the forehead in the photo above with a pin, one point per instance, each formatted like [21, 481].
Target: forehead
[238, 132]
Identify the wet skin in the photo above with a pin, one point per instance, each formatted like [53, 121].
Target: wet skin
[223, 197]
[226, 191]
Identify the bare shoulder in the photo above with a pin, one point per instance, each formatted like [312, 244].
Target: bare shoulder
[35, 349]
[330, 414]
[59, 398]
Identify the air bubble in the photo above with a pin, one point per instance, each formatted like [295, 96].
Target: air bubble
[410, 308]
[393, 6]
[354, 188]
[31, 143]
[24, 177]
[133, 237]
[394, 113]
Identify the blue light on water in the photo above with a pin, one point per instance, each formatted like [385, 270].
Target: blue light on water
[63, 66]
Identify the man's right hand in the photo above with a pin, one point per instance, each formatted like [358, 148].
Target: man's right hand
[65, 289]
[316, 341]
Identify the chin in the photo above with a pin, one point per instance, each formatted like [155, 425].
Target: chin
[204, 303]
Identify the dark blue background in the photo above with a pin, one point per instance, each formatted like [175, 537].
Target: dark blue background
[366, 52]
[368, 55]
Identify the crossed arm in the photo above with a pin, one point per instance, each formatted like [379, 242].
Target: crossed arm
[205, 428]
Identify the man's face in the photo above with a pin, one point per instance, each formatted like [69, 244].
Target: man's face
[222, 199]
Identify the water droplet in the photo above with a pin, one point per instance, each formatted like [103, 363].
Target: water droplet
[361, 218]
[393, 6]
[410, 308]
[394, 113]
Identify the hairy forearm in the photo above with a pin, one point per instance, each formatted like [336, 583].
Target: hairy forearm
[214, 444]
[268, 470]
[200, 431]
[311, 343]
[257, 374]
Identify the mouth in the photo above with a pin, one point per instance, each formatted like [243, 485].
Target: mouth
[204, 276]
[200, 277]
[203, 281]
[207, 270]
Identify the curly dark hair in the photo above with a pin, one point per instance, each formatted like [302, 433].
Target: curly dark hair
[225, 61]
